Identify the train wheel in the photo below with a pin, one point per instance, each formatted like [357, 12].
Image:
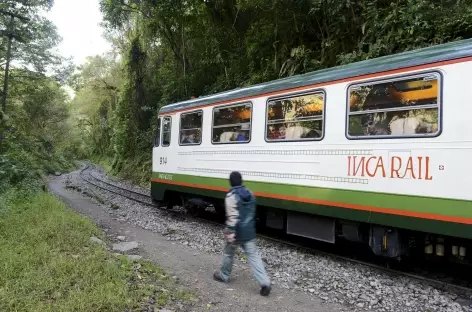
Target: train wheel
[185, 204]
[193, 210]
[220, 210]
[159, 203]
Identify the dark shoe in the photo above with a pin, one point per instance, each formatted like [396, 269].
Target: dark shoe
[265, 290]
[217, 277]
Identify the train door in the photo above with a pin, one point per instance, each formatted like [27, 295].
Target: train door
[159, 161]
[166, 130]
[157, 138]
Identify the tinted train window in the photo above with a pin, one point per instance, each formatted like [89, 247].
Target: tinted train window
[232, 124]
[403, 107]
[166, 130]
[191, 128]
[295, 118]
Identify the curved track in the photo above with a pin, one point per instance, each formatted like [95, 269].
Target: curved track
[146, 200]
[121, 190]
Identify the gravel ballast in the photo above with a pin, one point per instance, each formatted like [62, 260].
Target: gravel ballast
[355, 286]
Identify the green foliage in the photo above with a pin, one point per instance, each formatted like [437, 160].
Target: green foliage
[393, 27]
[39, 130]
[48, 263]
[41, 136]
[35, 38]
[12, 172]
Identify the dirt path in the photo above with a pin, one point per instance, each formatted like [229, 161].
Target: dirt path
[194, 269]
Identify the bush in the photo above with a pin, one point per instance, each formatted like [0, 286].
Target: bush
[13, 172]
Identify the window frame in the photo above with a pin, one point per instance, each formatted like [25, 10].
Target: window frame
[397, 78]
[170, 131]
[180, 128]
[291, 95]
[227, 106]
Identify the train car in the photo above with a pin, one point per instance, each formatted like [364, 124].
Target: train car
[376, 152]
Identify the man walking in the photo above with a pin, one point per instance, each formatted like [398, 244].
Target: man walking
[240, 230]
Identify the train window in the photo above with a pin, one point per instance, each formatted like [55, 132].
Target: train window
[232, 124]
[157, 138]
[191, 128]
[402, 107]
[295, 118]
[166, 130]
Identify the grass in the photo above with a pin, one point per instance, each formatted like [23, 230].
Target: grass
[47, 263]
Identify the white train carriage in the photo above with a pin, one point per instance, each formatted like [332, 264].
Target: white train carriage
[377, 151]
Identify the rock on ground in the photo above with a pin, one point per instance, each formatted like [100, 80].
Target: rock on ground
[134, 257]
[96, 240]
[125, 246]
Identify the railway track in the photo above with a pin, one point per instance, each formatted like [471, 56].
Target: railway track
[115, 189]
[146, 200]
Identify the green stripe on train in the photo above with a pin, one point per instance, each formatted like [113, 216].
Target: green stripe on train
[440, 206]
[417, 224]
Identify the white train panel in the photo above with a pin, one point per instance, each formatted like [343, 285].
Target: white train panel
[425, 166]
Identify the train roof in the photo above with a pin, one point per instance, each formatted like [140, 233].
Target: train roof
[432, 54]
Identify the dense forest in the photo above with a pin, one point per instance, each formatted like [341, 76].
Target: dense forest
[37, 129]
[167, 51]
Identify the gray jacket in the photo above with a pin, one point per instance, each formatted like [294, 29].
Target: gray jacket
[240, 206]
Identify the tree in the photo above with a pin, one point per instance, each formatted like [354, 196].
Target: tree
[36, 37]
[97, 84]
[41, 134]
